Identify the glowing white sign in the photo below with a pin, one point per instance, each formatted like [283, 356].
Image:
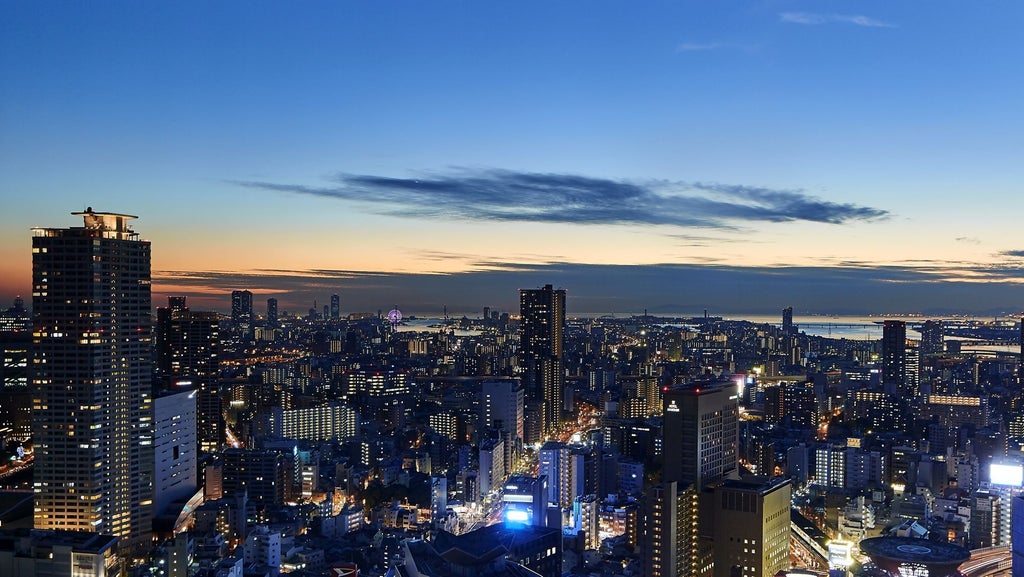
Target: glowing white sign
[517, 516]
[1010, 475]
[839, 554]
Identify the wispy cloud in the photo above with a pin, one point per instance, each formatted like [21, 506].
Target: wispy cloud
[504, 195]
[968, 240]
[701, 240]
[813, 19]
[1013, 253]
[699, 46]
[712, 46]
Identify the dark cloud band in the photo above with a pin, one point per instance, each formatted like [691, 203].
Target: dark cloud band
[503, 195]
[856, 288]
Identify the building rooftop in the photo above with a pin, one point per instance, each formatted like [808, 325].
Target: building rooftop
[910, 550]
[759, 483]
[521, 483]
[80, 541]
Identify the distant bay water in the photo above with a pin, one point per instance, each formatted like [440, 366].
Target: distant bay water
[853, 327]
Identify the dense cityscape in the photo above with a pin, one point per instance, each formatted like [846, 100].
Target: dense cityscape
[148, 438]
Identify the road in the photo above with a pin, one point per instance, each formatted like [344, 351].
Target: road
[14, 467]
[988, 562]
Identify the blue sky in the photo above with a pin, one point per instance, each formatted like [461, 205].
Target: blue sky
[421, 138]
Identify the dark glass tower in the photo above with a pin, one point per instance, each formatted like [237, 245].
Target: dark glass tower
[272, 312]
[241, 307]
[188, 347]
[932, 342]
[92, 367]
[894, 354]
[700, 434]
[542, 326]
[187, 342]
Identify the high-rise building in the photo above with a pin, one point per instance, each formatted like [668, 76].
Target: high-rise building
[332, 420]
[932, 342]
[91, 378]
[830, 465]
[335, 307]
[491, 458]
[188, 347]
[752, 525]
[438, 500]
[15, 344]
[272, 312]
[700, 433]
[912, 360]
[525, 499]
[260, 474]
[894, 353]
[174, 445]
[669, 535]
[80, 554]
[1017, 394]
[791, 405]
[241, 307]
[787, 321]
[16, 318]
[542, 328]
[501, 407]
[553, 462]
[445, 424]
[1017, 535]
[16, 407]
[187, 342]
[700, 447]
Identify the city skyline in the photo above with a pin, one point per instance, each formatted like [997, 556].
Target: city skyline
[528, 417]
[835, 157]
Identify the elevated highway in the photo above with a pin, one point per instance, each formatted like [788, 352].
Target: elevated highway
[988, 562]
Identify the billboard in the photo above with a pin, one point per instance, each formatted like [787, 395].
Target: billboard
[840, 554]
[1008, 475]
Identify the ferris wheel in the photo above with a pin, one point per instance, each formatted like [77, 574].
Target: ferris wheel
[395, 316]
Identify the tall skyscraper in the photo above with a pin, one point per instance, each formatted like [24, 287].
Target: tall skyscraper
[542, 326]
[188, 346]
[335, 306]
[700, 434]
[894, 353]
[92, 367]
[187, 342]
[15, 343]
[700, 448]
[241, 307]
[787, 321]
[272, 312]
[932, 342]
